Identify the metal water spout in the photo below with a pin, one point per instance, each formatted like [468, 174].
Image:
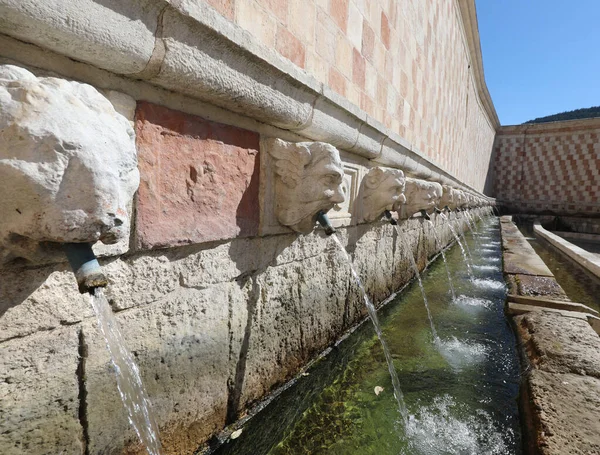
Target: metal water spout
[389, 216]
[85, 267]
[325, 223]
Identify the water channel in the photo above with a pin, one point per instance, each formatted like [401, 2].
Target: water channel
[460, 395]
[580, 285]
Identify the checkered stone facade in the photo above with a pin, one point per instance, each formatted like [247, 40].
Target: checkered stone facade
[549, 167]
[406, 64]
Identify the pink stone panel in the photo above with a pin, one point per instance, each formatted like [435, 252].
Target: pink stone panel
[338, 10]
[358, 69]
[289, 46]
[225, 7]
[199, 179]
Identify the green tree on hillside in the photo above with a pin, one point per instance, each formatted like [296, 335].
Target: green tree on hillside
[589, 112]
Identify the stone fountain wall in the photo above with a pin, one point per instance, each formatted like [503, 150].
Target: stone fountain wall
[220, 303]
[549, 168]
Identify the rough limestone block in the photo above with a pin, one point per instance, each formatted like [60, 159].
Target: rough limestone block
[298, 311]
[68, 166]
[36, 299]
[199, 179]
[143, 279]
[113, 35]
[570, 412]
[373, 257]
[39, 390]
[186, 347]
[559, 344]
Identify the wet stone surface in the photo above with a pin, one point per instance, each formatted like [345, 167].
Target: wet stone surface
[539, 285]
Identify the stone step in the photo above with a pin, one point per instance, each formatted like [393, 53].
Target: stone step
[515, 309]
[551, 303]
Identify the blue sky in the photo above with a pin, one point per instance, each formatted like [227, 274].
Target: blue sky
[540, 57]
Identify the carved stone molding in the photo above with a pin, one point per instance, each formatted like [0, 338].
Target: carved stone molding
[309, 177]
[381, 189]
[68, 165]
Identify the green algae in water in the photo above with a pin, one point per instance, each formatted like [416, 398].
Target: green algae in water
[461, 395]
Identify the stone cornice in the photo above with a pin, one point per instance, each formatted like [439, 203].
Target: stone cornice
[469, 18]
[564, 126]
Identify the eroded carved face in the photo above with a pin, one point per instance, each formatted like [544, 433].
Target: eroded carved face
[67, 163]
[309, 179]
[420, 195]
[381, 189]
[461, 199]
[450, 198]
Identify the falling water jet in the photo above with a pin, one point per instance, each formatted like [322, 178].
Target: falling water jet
[91, 280]
[436, 338]
[472, 228]
[129, 380]
[462, 250]
[323, 220]
[438, 245]
[467, 248]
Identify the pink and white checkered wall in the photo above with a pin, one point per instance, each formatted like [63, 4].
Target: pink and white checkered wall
[550, 167]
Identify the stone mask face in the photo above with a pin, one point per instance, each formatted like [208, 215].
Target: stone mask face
[420, 195]
[449, 198]
[68, 163]
[309, 178]
[382, 189]
[446, 198]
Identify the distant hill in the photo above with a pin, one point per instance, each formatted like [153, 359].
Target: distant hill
[569, 115]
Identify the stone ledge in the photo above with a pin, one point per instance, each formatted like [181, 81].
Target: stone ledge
[549, 303]
[587, 260]
[568, 412]
[560, 360]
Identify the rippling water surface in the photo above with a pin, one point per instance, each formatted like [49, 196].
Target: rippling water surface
[460, 392]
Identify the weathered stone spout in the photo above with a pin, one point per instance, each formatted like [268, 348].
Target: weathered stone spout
[309, 180]
[325, 223]
[85, 267]
[68, 165]
[382, 190]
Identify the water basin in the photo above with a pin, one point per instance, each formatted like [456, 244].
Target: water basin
[460, 394]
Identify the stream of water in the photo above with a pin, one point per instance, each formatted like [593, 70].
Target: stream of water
[129, 381]
[413, 264]
[462, 249]
[375, 320]
[441, 247]
[460, 396]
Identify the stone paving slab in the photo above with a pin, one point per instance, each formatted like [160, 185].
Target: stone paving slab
[531, 285]
[550, 303]
[525, 263]
[516, 309]
[560, 342]
[569, 416]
